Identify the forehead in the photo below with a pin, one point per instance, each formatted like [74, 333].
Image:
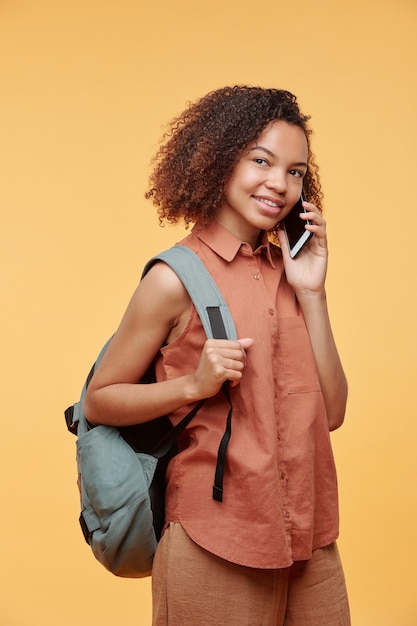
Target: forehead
[280, 136]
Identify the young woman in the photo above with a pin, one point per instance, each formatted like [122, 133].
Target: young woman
[233, 165]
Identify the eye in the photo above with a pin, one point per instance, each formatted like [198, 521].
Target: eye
[297, 173]
[260, 161]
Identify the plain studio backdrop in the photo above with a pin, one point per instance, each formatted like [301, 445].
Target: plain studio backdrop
[86, 90]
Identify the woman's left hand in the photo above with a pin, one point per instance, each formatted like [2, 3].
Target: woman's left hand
[307, 272]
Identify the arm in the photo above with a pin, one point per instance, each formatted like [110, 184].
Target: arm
[331, 375]
[307, 275]
[157, 314]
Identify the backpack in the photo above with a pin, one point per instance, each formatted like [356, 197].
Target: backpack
[121, 471]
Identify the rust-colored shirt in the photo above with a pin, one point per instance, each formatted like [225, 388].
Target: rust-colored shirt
[280, 491]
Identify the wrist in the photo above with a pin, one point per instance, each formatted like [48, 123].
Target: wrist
[190, 389]
[311, 296]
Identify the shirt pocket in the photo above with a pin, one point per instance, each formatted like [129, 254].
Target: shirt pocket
[299, 365]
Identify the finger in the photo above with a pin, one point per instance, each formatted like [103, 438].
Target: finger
[237, 349]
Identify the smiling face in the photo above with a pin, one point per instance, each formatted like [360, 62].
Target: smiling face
[266, 182]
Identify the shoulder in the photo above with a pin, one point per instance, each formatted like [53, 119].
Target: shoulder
[163, 286]
[163, 295]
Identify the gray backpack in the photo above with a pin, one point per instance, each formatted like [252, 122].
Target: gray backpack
[121, 471]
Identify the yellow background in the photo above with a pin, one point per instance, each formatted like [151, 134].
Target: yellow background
[86, 87]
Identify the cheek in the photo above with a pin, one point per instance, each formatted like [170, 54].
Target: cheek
[246, 178]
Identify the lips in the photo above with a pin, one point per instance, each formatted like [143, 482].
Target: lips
[269, 205]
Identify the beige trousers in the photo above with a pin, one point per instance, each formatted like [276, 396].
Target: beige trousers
[192, 587]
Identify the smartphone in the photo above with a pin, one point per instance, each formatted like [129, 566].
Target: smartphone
[294, 227]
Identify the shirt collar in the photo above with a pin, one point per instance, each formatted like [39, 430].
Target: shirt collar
[226, 245]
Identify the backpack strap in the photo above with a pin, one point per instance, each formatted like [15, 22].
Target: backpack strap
[203, 291]
[217, 323]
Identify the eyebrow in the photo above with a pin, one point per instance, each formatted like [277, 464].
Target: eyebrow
[273, 155]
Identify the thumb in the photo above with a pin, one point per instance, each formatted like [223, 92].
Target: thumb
[246, 342]
[283, 244]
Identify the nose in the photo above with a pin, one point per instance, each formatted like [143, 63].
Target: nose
[277, 180]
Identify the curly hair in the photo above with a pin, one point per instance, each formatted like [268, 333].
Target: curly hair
[203, 144]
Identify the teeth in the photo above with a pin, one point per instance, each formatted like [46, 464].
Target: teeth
[268, 202]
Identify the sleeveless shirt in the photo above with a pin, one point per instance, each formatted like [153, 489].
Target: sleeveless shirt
[280, 498]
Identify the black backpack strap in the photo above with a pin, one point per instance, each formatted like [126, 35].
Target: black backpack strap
[221, 455]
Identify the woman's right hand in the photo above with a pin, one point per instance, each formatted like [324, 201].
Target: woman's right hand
[220, 360]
